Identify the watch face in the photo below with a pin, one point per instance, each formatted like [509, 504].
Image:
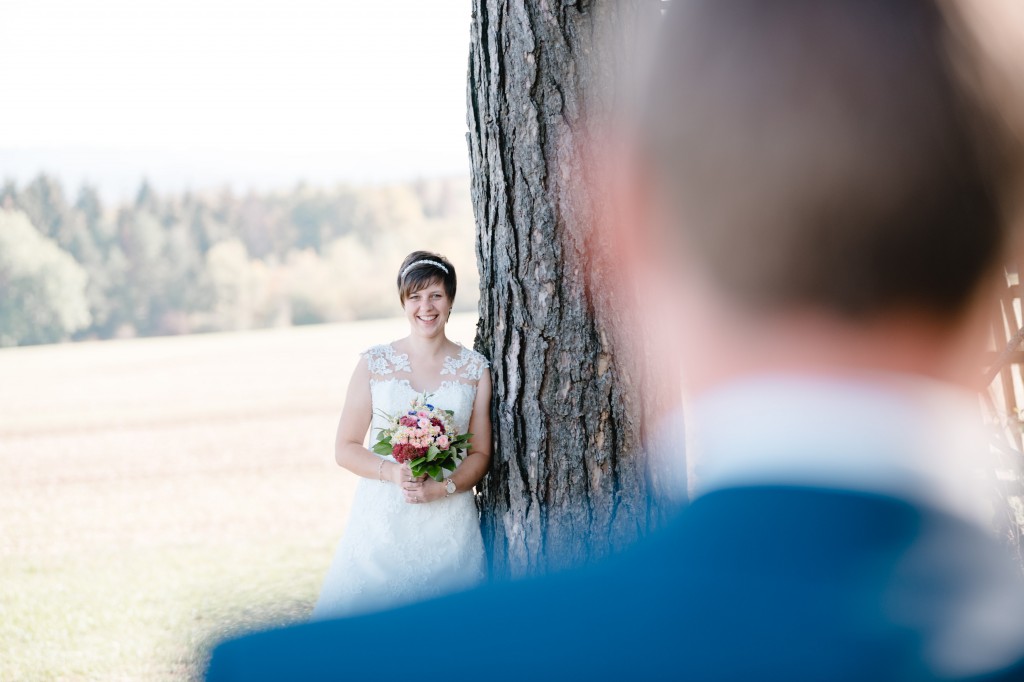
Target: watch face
[449, 485]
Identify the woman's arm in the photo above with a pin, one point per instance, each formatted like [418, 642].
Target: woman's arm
[356, 416]
[474, 466]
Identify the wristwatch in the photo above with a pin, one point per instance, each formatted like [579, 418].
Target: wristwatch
[449, 487]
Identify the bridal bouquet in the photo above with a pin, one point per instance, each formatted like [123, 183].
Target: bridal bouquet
[425, 437]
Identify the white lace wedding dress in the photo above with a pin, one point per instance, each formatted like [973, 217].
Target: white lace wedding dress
[393, 552]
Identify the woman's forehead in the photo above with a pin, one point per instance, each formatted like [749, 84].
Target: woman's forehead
[432, 283]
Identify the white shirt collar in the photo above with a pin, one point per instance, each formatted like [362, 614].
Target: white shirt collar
[902, 436]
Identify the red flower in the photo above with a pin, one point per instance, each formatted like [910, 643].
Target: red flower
[405, 452]
[438, 423]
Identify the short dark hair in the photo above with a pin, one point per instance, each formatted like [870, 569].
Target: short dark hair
[420, 269]
[827, 153]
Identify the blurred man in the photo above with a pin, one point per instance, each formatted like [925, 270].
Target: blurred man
[823, 223]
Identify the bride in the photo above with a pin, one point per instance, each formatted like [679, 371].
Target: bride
[411, 538]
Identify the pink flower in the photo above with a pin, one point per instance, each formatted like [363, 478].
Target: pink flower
[442, 442]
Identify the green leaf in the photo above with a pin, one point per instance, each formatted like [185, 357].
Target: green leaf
[432, 452]
[382, 448]
[435, 472]
[448, 464]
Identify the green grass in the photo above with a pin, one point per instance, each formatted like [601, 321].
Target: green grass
[150, 614]
[160, 494]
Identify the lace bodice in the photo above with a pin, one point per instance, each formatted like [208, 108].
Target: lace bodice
[391, 391]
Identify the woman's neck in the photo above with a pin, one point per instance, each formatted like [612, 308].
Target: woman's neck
[427, 347]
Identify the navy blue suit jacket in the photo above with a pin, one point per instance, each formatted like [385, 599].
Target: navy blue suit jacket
[758, 583]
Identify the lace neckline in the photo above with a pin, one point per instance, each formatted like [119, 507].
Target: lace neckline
[449, 366]
[446, 384]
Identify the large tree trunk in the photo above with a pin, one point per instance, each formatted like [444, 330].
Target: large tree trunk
[568, 479]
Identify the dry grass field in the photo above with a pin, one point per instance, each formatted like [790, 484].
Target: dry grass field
[157, 494]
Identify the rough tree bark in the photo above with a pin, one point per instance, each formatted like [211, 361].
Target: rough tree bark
[568, 479]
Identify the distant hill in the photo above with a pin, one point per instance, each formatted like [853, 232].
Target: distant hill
[116, 174]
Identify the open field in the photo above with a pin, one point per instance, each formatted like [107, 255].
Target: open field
[156, 494]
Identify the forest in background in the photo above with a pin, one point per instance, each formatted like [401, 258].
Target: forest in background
[72, 268]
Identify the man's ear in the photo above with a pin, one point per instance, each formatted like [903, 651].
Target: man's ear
[635, 233]
[651, 269]
[648, 235]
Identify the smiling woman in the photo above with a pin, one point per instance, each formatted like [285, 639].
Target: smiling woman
[411, 537]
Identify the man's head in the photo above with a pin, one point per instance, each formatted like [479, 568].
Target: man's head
[825, 159]
[825, 154]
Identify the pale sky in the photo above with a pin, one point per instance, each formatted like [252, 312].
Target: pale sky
[264, 92]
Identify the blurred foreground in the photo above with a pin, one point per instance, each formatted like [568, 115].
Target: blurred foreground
[160, 493]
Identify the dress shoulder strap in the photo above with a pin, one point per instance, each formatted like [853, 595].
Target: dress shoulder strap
[468, 365]
[383, 359]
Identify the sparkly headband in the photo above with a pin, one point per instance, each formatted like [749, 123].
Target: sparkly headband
[424, 262]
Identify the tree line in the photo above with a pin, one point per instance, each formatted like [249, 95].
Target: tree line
[73, 268]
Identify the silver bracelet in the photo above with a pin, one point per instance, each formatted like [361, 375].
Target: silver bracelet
[380, 470]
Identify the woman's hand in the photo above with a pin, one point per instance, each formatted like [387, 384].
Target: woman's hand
[400, 474]
[422, 490]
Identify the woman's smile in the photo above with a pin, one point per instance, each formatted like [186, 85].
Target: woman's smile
[428, 318]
